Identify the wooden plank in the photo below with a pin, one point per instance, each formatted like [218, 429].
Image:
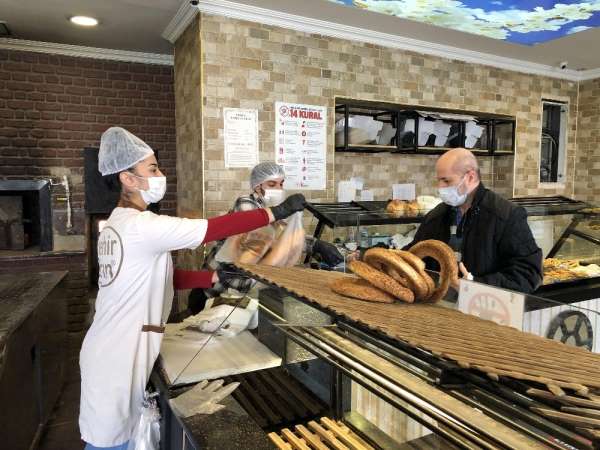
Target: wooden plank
[364, 443]
[589, 432]
[587, 412]
[311, 438]
[279, 443]
[564, 399]
[296, 442]
[269, 396]
[326, 436]
[298, 393]
[568, 418]
[239, 395]
[296, 406]
[346, 438]
[258, 401]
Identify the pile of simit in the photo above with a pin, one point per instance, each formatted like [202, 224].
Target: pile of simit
[389, 275]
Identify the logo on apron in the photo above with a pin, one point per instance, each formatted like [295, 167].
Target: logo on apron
[110, 256]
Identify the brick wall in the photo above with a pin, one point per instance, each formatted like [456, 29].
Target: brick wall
[587, 186]
[52, 106]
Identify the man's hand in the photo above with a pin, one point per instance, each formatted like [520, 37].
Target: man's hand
[464, 274]
[292, 204]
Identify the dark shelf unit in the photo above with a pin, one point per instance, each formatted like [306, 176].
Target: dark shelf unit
[396, 114]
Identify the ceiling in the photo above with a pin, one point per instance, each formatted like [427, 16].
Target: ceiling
[527, 22]
[134, 25]
[137, 25]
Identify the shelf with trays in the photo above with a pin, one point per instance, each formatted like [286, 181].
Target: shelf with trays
[402, 123]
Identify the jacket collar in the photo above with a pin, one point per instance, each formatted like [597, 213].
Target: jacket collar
[479, 194]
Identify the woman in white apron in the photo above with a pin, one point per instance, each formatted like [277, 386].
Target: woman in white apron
[136, 286]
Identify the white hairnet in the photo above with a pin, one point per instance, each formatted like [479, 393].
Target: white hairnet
[120, 150]
[265, 171]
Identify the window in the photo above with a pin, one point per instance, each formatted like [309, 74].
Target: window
[553, 142]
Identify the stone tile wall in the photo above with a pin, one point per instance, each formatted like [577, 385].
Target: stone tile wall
[587, 161]
[250, 65]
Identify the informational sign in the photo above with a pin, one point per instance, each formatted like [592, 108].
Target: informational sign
[491, 303]
[404, 191]
[301, 144]
[240, 135]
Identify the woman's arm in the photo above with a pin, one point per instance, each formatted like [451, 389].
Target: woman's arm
[190, 279]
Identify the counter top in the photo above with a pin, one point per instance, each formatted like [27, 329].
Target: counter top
[20, 294]
[229, 428]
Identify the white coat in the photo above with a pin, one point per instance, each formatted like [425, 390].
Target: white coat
[135, 289]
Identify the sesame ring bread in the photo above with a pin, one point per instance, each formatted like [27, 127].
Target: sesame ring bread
[382, 281]
[445, 257]
[419, 265]
[361, 289]
[384, 257]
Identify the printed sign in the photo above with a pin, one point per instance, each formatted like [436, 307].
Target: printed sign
[491, 303]
[240, 136]
[301, 144]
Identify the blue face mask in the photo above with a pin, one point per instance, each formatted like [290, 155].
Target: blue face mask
[451, 196]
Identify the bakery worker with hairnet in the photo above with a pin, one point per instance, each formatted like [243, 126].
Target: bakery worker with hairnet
[267, 188]
[136, 285]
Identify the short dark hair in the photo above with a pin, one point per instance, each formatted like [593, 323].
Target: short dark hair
[113, 182]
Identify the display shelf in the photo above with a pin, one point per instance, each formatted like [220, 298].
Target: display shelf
[403, 122]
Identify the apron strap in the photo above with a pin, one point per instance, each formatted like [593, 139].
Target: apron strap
[153, 328]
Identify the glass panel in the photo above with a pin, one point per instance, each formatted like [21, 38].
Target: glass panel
[504, 137]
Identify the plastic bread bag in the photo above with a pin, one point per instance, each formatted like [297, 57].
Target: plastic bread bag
[286, 251]
[248, 247]
[146, 434]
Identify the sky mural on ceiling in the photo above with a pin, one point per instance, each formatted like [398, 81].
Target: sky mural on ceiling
[522, 22]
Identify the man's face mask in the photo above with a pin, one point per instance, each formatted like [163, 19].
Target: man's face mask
[157, 186]
[273, 197]
[450, 195]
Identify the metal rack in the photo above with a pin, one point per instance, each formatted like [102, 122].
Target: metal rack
[394, 114]
[505, 401]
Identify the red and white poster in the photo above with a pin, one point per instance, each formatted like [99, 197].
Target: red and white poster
[301, 144]
[491, 303]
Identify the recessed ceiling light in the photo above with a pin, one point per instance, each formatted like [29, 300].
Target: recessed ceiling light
[84, 21]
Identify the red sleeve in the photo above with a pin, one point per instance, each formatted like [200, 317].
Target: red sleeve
[189, 279]
[235, 223]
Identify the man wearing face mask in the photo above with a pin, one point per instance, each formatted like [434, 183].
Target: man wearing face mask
[490, 235]
[267, 189]
[136, 285]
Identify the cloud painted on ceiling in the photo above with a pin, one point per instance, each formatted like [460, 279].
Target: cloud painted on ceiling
[522, 22]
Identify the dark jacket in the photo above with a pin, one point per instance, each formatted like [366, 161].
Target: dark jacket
[497, 247]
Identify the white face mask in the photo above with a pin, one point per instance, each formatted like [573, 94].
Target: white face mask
[273, 197]
[157, 186]
[451, 196]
